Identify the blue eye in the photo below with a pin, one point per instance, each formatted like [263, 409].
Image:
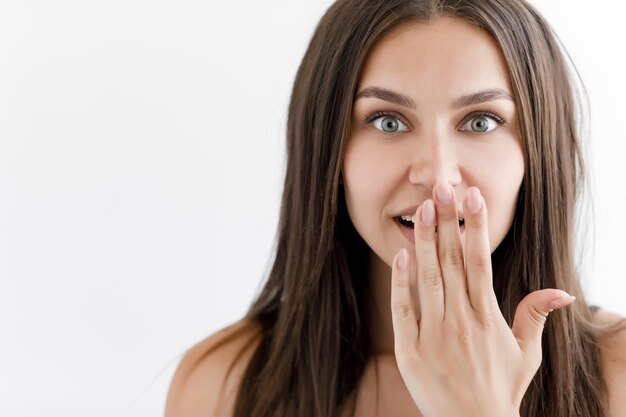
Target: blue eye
[483, 122]
[479, 122]
[386, 122]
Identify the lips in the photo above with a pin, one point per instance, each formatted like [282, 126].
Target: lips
[408, 230]
[405, 222]
[409, 214]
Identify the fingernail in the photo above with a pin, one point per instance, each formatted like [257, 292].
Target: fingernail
[474, 201]
[403, 260]
[444, 194]
[561, 301]
[428, 213]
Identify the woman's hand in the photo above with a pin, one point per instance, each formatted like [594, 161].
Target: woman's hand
[461, 358]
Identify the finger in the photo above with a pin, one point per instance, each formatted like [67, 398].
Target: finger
[531, 315]
[478, 254]
[403, 316]
[429, 279]
[450, 249]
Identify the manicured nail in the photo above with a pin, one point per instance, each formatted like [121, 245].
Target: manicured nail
[403, 260]
[444, 194]
[474, 200]
[561, 301]
[428, 213]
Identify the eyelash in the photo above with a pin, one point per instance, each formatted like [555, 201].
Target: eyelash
[499, 120]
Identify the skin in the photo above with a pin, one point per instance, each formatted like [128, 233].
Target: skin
[439, 317]
[383, 174]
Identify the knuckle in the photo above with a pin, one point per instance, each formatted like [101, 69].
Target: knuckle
[536, 316]
[402, 282]
[448, 213]
[426, 234]
[453, 256]
[474, 223]
[432, 277]
[404, 310]
[464, 332]
[465, 339]
[479, 259]
[485, 316]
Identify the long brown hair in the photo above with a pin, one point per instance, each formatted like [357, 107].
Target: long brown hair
[313, 344]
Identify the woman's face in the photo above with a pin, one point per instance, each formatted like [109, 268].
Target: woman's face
[433, 104]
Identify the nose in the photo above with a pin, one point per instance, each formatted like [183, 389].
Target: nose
[434, 158]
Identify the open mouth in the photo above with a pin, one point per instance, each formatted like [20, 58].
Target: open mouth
[407, 221]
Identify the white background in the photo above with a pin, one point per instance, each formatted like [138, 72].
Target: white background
[141, 160]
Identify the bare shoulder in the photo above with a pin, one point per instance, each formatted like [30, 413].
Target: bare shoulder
[208, 376]
[613, 356]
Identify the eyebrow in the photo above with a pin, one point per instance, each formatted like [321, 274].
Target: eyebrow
[391, 96]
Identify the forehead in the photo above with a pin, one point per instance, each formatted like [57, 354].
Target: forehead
[446, 57]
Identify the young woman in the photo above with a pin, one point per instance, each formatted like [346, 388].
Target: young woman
[425, 254]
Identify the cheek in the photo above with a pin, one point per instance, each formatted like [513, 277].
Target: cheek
[502, 195]
[367, 177]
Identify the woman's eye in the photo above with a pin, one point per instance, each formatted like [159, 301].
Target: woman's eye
[389, 124]
[481, 124]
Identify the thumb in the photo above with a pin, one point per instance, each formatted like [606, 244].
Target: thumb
[531, 315]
